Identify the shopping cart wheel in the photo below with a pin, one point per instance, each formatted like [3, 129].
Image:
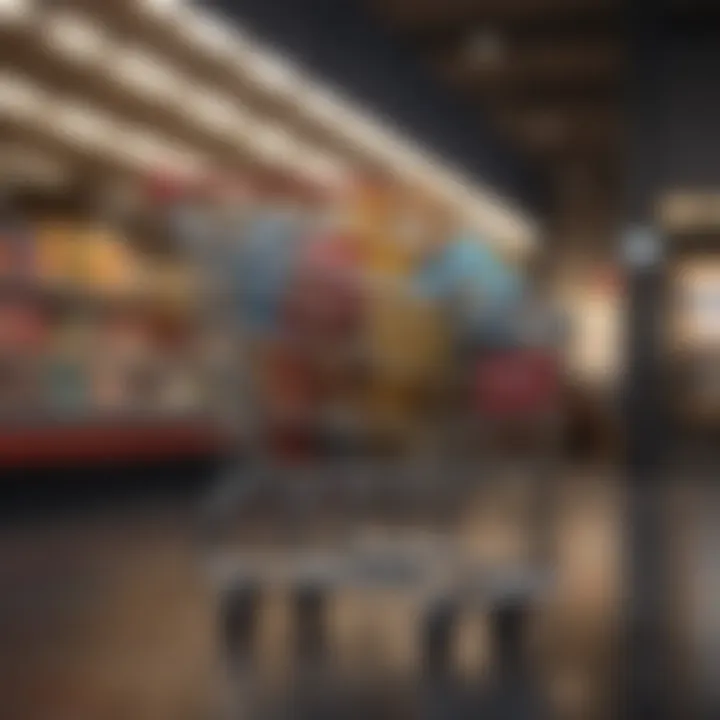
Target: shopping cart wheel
[513, 693]
[309, 603]
[439, 697]
[311, 696]
[240, 609]
[439, 626]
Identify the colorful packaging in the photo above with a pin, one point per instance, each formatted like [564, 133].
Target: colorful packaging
[110, 265]
[480, 295]
[325, 300]
[23, 328]
[61, 253]
[67, 368]
[17, 250]
[267, 255]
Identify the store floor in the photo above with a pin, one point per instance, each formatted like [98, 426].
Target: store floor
[107, 615]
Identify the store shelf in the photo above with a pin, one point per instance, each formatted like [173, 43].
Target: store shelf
[45, 441]
[74, 294]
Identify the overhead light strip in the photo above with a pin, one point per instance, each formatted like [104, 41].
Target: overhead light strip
[15, 11]
[82, 125]
[79, 39]
[276, 75]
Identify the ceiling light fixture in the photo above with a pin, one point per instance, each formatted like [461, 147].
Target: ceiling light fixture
[219, 113]
[13, 11]
[74, 36]
[160, 6]
[274, 143]
[273, 74]
[144, 73]
[484, 49]
[381, 143]
[83, 125]
[20, 97]
[210, 33]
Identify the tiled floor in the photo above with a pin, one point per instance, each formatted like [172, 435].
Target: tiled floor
[110, 617]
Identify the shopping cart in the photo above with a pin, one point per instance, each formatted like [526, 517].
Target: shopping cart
[311, 526]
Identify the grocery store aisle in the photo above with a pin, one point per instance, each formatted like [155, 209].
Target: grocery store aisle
[108, 616]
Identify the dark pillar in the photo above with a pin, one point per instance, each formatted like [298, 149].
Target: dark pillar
[646, 679]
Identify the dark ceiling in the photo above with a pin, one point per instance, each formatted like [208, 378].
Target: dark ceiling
[503, 88]
[548, 73]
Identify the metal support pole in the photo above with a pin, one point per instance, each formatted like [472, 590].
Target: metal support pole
[645, 677]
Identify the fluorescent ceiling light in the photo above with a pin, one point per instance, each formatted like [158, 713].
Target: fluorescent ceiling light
[382, 144]
[146, 74]
[325, 104]
[75, 36]
[272, 73]
[161, 6]
[219, 113]
[210, 33]
[20, 97]
[14, 10]
[150, 151]
[83, 124]
[144, 147]
[274, 143]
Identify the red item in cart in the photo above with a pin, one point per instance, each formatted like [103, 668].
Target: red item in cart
[325, 300]
[291, 384]
[518, 384]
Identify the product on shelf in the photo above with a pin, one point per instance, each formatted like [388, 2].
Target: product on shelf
[67, 367]
[85, 256]
[61, 254]
[373, 219]
[17, 251]
[171, 284]
[121, 364]
[324, 302]
[111, 265]
[22, 335]
[180, 388]
[398, 340]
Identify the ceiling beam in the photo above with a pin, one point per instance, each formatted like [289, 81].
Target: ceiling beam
[567, 97]
[522, 68]
[419, 15]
